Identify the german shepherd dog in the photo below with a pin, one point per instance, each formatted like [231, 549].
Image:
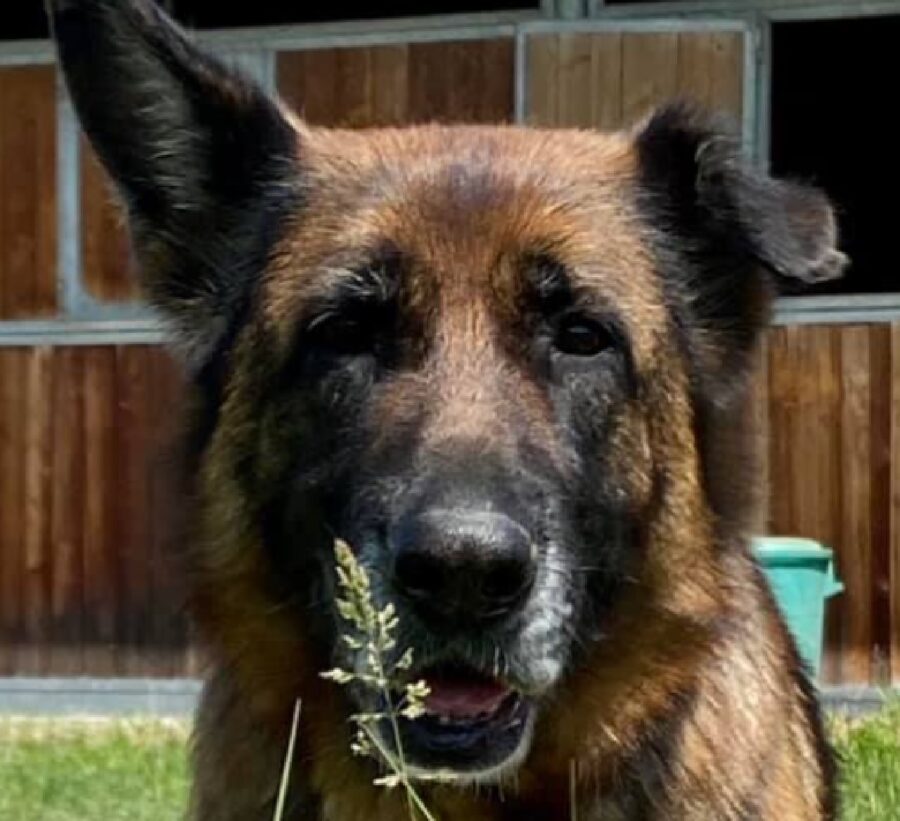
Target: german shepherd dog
[509, 367]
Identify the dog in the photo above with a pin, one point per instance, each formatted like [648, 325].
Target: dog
[509, 367]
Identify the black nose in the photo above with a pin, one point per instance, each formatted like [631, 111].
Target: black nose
[461, 568]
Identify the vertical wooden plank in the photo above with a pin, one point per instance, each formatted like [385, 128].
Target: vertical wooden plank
[649, 72]
[390, 85]
[574, 88]
[881, 458]
[855, 543]
[428, 89]
[781, 508]
[542, 52]
[895, 505]
[822, 502]
[20, 200]
[27, 192]
[695, 64]
[306, 81]
[289, 77]
[45, 226]
[11, 474]
[132, 530]
[450, 81]
[168, 626]
[493, 84]
[605, 86]
[320, 104]
[38, 548]
[711, 69]
[727, 70]
[67, 604]
[99, 500]
[18, 203]
[353, 87]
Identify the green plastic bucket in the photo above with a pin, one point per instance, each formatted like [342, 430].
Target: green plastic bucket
[801, 575]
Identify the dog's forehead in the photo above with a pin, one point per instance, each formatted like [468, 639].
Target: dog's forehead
[457, 199]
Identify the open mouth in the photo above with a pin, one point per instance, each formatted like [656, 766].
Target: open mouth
[473, 723]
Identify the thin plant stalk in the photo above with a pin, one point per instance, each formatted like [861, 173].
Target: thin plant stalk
[395, 727]
[412, 793]
[288, 761]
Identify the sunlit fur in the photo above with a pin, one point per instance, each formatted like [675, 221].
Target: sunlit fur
[659, 669]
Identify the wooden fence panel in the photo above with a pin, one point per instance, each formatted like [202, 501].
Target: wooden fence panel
[467, 81]
[608, 80]
[86, 581]
[894, 506]
[87, 586]
[856, 499]
[830, 399]
[27, 192]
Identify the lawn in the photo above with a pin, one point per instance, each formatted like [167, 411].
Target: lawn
[84, 770]
[71, 770]
[870, 765]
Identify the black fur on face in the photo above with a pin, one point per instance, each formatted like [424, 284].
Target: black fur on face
[356, 401]
[355, 443]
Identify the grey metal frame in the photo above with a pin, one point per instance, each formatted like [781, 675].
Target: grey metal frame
[775, 10]
[84, 320]
[177, 698]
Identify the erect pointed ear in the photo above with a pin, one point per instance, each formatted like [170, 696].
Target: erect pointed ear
[205, 161]
[724, 229]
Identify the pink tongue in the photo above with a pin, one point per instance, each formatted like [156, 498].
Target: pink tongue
[461, 698]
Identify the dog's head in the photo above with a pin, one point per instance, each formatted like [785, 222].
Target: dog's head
[500, 363]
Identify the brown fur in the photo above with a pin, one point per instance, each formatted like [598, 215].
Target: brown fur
[718, 659]
[688, 701]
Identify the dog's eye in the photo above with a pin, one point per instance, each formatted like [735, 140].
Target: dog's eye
[581, 336]
[343, 335]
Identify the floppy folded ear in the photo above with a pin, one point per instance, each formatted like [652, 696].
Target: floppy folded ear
[725, 230]
[204, 160]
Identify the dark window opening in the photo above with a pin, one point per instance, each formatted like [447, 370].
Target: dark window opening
[832, 124]
[216, 14]
[26, 21]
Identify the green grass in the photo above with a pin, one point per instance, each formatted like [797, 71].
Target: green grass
[869, 752]
[78, 770]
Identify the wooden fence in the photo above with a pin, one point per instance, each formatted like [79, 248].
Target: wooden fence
[85, 584]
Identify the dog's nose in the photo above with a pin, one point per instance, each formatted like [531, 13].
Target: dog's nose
[463, 568]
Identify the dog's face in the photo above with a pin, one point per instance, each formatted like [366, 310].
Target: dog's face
[457, 369]
[486, 358]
